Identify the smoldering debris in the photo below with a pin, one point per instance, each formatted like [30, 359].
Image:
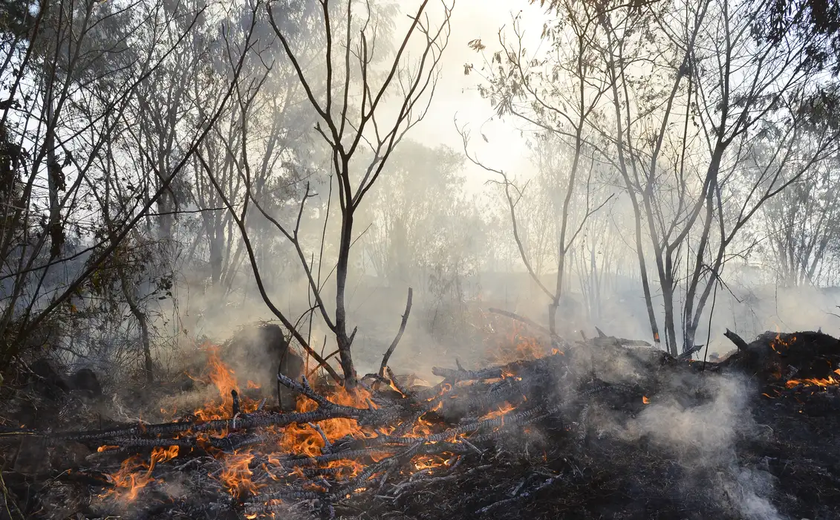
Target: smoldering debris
[556, 434]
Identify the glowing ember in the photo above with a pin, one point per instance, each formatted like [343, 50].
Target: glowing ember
[829, 381]
[501, 412]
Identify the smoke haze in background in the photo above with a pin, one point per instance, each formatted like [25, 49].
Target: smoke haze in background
[750, 302]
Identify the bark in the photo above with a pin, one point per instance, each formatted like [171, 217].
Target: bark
[142, 322]
[344, 341]
[55, 181]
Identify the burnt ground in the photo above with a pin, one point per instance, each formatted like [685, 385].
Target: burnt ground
[599, 431]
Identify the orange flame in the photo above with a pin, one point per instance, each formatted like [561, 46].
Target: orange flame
[305, 440]
[224, 378]
[517, 345]
[237, 474]
[501, 412]
[430, 462]
[829, 381]
[132, 478]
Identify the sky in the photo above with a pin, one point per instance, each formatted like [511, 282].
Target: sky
[457, 94]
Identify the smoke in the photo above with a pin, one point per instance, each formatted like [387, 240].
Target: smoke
[703, 436]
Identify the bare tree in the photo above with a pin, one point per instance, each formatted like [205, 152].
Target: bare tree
[683, 142]
[556, 92]
[75, 69]
[352, 116]
[802, 226]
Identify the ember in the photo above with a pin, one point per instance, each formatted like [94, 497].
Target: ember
[521, 426]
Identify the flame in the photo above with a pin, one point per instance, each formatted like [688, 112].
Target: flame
[501, 412]
[305, 440]
[299, 439]
[429, 462]
[164, 454]
[517, 345]
[829, 381]
[237, 473]
[645, 399]
[132, 478]
[224, 378]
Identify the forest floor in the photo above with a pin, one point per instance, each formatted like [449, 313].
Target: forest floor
[587, 430]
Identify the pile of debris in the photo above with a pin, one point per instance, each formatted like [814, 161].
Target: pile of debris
[595, 429]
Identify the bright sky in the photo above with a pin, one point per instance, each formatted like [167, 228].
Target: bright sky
[456, 93]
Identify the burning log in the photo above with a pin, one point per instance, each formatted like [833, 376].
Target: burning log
[518, 434]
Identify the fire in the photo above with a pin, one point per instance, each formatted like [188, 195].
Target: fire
[164, 454]
[829, 381]
[780, 342]
[224, 378]
[237, 474]
[518, 345]
[131, 478]
[645, 399]
[426, 462]
[135, 474]
[422, 427]
[306, 440]
[501, 412]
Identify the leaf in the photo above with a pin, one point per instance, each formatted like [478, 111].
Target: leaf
[476, 45]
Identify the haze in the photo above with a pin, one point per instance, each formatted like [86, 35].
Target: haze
[157, 156]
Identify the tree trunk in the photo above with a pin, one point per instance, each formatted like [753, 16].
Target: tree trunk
[140, 316]
[344, 341]
[216, 255]
[670, 328]
[55, 177]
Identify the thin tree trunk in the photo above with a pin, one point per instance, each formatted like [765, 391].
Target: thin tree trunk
[54, 174]
[344, 341]
[140, 316]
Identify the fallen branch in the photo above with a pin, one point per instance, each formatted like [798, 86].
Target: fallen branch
[523, 319]
[455, 374]
[326, 410]
[737, 340]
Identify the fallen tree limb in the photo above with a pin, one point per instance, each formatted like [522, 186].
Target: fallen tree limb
[455, 374]
[736, 339]
[326, 410]
[527, 321]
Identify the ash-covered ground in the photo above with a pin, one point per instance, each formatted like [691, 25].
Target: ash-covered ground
[593, 430]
